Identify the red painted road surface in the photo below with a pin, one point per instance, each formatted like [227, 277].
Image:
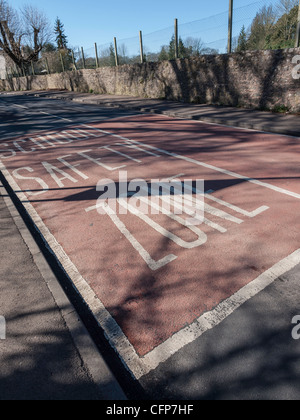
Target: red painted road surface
[155, 275]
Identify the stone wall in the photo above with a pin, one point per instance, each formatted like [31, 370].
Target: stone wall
[257, 79]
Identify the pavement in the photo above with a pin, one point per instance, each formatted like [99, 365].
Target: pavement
[47, 353]
[280, 123]
[249, 268]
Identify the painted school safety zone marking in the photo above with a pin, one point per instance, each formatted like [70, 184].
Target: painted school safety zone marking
[177, 203]
[153, 282]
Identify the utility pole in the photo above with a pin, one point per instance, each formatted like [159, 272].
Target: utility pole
[230, 21]
[73, 59]
[116, 52]
[141, 47]
[297, 44]
[83, 58]
[96, 54]
[176, 39]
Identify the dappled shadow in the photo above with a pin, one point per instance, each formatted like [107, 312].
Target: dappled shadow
[92, 194]
[34, 118]
[240, 79]
[249, 356]
[254, 79]
[38, 358]
[148, 305]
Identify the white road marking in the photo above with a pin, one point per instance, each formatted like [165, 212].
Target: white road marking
[21, 106]
[132, 146]
[223, 171]
[205, 165]
[43, 139]
[84, 132]
[202, 238]
[55, 116]
[152, 264]
[97, 161]
[222, 214]
[251, 214]
[177, 202]
[214, 317]
[121, 154]
[175, 177]
[56, 137]
[140, 366]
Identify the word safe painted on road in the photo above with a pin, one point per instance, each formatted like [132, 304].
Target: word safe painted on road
[150, 246]
[170, 196]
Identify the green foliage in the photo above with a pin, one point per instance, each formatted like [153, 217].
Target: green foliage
[49, 47]
[272, 28]
[242, 41]
[112, 58]
[183, 52]
[284, 31]
[260, 28]
[164, 54]
[190, 47]
[61, 38]
[282, 109]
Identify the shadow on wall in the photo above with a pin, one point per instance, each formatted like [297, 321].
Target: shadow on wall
[82, 81]
[243, 79]
[24, 83]
[75, 81]
[254, 79]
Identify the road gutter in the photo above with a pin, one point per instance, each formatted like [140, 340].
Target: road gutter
[109, 388]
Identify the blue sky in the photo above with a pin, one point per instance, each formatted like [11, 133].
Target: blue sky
[89, 21]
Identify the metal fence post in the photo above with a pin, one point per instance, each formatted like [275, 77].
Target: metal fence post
[141, 47]
[230, 22]
[73, 59]
[116, 52]
[176, 39]
[96, 53]
[83, 59]
[297, 44]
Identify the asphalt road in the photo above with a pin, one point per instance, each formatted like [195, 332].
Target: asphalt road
[247, 351]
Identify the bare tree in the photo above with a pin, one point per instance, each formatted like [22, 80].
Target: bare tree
[194, 46]
[261, 26]
[23, 34]
[285, 6]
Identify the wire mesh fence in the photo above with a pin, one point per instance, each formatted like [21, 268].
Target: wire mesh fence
[260, 19]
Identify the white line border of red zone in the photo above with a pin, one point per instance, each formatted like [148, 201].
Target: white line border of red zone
[140, 366]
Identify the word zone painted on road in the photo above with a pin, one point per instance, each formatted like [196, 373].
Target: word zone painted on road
[75, 167]
[201, 236]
